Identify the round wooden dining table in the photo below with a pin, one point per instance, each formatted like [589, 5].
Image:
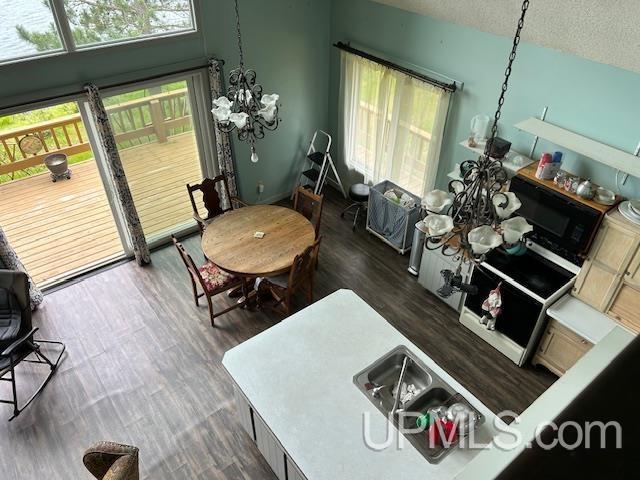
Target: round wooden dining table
[229, 240]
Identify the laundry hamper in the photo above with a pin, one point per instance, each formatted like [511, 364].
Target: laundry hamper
[390, 221]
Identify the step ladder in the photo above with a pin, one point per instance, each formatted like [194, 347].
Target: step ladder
[319, 163]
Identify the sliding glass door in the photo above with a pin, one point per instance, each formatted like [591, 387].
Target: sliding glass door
[164, 144]
[53, 205]
[65, 224]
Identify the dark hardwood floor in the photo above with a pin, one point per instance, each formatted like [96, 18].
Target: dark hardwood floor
[143, 364]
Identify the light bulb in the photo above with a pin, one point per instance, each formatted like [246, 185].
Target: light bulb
[254, 156]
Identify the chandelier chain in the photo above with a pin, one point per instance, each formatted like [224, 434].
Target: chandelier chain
[245, 108]
[505, 83]
[239, 33]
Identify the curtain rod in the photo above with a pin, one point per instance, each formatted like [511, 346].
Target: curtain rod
[450, 87]
[103, 87]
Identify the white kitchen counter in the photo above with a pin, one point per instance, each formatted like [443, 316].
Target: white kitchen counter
[581, 318]
[298, 375]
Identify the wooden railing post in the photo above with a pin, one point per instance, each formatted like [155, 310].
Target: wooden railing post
[157, 119]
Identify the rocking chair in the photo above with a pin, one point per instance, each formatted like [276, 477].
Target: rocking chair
[17, 342]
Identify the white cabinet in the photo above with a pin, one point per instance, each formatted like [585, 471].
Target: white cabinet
[433, 262]
[293, 472]
[245, 414]
[269, 446]
[560, 348]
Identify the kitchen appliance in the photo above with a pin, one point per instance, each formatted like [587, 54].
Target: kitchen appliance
[563, 228]
[419, 235]
[563, 225]
[587, 189]
[480, 128]
[530, 283]
[499, 148]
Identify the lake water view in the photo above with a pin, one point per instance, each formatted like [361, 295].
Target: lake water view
[31, 14]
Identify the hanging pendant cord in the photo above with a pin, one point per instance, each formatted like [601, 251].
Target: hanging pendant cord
[505, 84]
[239, 35]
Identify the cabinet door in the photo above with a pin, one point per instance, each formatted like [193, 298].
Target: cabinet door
[626, 307]
[596, 285]
[245, 412]
[270, 448]
[293, 472]
[433, 262]
[560, 349]
[632, 275]
[613, 247]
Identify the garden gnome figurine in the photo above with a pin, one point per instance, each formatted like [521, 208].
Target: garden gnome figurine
[492, 307]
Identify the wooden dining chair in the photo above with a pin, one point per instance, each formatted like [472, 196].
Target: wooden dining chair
[299, 278]
[212, 281]
[310, 205]
[210, 189]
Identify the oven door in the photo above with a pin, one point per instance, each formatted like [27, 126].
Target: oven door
[561, 224]
[520, 313]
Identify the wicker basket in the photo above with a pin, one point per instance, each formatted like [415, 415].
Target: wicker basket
[390, 221]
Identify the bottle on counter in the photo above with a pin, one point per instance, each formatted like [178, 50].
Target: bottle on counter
[557, 157]
[549, 165]
[545, 159]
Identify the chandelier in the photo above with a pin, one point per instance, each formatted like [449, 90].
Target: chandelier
[473, 218]
[245, 108]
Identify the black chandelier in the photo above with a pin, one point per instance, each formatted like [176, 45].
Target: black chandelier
[473, 217]
[245, 107]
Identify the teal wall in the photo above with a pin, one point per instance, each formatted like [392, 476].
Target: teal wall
[593, 99]
[285, 41]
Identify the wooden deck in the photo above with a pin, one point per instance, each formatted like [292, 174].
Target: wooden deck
[60, 227]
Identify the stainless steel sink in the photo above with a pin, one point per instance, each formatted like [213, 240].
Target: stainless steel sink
[379, 381]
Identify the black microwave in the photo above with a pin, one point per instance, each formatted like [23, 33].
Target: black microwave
[560, 224]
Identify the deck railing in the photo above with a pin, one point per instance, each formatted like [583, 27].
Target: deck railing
[411, 172]
[152, 118]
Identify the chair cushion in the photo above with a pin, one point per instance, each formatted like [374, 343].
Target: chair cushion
[10, 317]
[359, 192]
[214, 278]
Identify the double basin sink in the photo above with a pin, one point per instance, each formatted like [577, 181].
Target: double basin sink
[431, 391]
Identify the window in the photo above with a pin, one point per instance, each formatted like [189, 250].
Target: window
[27, 29]
[30, 28]
[95, 22]
[392, 124]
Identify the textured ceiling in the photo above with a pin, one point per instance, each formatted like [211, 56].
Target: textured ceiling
[605, 31]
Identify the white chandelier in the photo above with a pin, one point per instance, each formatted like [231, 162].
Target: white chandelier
[245, 108]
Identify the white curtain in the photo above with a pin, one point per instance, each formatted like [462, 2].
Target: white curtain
[392, 124]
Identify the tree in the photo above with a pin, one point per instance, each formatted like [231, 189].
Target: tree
[96, 21]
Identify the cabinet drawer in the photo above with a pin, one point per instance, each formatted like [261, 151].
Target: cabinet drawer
[556, 326]
[625, 307]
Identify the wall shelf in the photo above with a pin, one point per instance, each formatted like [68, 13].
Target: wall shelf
[605, 154]
[507, 162]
